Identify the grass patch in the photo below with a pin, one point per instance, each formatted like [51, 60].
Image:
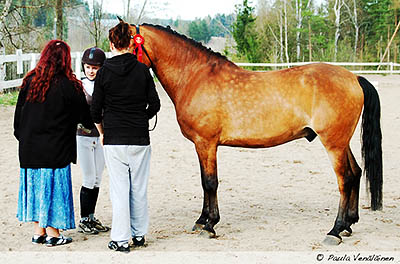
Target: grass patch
[8, 98]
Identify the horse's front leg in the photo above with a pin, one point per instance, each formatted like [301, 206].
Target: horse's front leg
[207, 153]
[203, 219]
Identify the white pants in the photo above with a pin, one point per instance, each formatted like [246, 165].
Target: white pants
[129, 169]
[91, 160]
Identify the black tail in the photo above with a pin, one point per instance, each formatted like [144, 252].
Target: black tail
[372, 142]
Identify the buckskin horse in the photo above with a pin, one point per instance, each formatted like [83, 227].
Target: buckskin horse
[218, 103]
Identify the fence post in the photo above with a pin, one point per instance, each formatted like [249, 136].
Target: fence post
[20, 68]
[391, 68]
[33, 61]
[2, 65]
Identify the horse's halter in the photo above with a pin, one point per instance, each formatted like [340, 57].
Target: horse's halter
[139, 46]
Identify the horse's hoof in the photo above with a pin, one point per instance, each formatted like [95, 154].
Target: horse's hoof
[332, 240]
[197, 228]
[345, 233]
[207, 234]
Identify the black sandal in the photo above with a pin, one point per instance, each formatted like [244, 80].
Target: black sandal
[57, 241]
[36, 239]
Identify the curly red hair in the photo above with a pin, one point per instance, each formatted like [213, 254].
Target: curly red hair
[55, 59]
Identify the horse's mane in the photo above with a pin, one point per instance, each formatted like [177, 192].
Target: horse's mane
[190, 41]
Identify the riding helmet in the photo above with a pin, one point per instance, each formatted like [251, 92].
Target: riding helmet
[94, 56]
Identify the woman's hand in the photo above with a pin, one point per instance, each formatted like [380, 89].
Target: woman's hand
[101, 138]
[99, 127]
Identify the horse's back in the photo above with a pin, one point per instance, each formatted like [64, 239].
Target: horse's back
[271, 108]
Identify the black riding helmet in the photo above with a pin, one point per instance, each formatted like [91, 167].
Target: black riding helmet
[93, 56]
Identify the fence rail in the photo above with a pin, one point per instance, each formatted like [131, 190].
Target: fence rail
[19, 58]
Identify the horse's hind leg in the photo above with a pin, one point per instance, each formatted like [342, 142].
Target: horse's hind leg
[348, 176]
[207, 153]
[352, 211]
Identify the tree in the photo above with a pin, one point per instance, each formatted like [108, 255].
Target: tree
[244, 32]
[337, 10]
[198, 30]
[376, 23]
[4, 12]
[301, 5]
[354, 19]
[59, 19]
[97, 15]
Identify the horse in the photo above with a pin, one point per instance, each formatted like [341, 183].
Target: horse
[218, 103]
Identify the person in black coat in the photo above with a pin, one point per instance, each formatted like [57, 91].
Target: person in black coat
[50, 105]
[124, 99]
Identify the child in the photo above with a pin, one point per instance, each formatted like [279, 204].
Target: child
[90, 150]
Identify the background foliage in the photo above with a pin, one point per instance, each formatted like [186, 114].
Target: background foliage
[263, 30]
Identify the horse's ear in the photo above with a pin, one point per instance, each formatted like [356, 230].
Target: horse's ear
[120, 19]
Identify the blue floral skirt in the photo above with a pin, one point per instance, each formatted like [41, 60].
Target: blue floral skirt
[45, 196]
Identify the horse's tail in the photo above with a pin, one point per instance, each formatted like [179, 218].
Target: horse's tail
[372, 142]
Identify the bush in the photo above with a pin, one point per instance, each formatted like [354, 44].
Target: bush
[8, 98]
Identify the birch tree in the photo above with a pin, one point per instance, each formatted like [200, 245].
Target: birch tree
[281, 34]
[4, 13]
[337, 11]
[299, 19]
[127, 8]
[286, 29]
[354, 19]
[93, 22]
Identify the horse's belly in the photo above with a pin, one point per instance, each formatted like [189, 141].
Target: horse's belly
[259, 140]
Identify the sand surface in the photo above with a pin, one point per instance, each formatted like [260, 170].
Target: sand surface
[280, 199]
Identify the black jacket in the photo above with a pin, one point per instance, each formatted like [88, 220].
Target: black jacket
[47, 131]
[124, 98]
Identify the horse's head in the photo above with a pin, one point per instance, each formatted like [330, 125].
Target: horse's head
[137, 44]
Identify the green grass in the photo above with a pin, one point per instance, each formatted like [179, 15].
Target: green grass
[8, 98]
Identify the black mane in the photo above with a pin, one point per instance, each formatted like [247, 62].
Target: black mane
[190, 41]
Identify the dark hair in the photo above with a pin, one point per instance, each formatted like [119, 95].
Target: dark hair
[55, 59]
[120, 35]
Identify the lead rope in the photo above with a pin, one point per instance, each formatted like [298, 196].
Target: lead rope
[155, 124]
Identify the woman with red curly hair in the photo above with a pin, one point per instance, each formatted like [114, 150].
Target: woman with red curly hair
[50, 105]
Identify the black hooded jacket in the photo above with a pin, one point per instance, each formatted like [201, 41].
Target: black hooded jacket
[124, 99]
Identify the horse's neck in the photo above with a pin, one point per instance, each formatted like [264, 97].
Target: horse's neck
[176, 63]
[175, 70]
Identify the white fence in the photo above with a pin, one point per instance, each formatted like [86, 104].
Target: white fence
[32, 59]
[19, 58]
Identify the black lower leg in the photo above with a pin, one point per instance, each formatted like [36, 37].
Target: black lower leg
[203, 219]
[85, 201]
[338, 228]
[211, 186]
[94, 194]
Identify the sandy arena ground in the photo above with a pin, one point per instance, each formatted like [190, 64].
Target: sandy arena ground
[281, 199]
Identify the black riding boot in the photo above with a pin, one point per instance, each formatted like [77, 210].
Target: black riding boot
[86, 202]
[94, 194]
